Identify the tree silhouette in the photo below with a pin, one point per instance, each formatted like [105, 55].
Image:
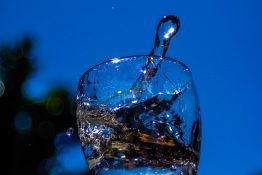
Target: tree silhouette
[28, 127]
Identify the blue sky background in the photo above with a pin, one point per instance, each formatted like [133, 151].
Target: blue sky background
[221, 41]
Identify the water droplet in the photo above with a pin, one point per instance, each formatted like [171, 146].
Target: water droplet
[177, 135]
[143, 71]
[86, 103]
[138, 159]
[70, 131]
[134, 101]
[166, 29]
[186, 69]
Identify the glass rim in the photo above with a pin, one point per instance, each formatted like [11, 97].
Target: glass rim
[131, 56]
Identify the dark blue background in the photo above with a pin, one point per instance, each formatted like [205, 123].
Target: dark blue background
[220, 41]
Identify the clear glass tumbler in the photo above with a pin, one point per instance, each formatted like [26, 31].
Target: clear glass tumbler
[156, 132]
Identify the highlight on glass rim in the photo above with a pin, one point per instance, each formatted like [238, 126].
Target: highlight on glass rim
[140, 114]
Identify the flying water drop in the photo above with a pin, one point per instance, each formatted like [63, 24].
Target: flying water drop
[166, 29]
[70, 132]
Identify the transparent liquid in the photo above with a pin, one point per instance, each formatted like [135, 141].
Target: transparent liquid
[136, 132]
[142, 135]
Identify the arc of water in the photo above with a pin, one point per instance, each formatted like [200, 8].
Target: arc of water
[166, 29]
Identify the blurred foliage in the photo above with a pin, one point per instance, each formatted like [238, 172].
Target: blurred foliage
[28, 127]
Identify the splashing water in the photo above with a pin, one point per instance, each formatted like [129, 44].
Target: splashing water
[166, 29]
[131, 132]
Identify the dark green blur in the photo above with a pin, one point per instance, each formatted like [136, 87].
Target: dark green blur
[28, 127]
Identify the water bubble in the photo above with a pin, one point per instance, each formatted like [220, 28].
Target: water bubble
[170, 129]
[134, 101]
[186, 69]
[177, 135]
[144, 71]
[86, 103]
[166, 117]
[70, 132]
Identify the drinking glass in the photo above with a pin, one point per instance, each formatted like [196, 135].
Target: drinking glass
[128, 125]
